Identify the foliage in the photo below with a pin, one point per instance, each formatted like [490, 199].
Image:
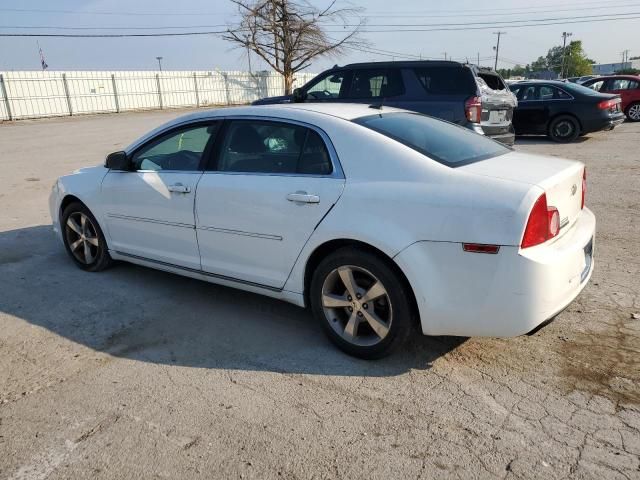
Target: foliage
[288, 34]
[576, 61]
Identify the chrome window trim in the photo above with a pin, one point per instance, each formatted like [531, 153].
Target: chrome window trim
[549, 99]
[337, 171]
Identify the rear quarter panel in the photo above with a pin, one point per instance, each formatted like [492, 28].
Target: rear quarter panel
[395, 196]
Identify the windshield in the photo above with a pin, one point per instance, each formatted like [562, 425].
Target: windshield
[444, 142]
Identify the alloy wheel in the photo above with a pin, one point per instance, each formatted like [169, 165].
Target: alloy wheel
[82, 238]
[634, 112]
[356, 305]
[563, 129]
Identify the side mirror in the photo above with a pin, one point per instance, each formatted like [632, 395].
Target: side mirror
[299, 96]
[118, 161]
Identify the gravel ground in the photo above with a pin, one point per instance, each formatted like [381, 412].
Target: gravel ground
[138, 373]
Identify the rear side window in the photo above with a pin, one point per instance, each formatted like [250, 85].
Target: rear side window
[446, 80]
[376, 83]
[443, 142]
[256, 146]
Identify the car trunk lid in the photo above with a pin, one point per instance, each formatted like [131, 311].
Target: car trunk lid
[560, 179]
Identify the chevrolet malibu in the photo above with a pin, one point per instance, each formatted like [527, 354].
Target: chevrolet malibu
[378, 219]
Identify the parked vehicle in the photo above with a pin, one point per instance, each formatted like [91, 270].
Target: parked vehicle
[476, 98]
[563, 110]
[627, 86]
[373, 217]
[581, 80]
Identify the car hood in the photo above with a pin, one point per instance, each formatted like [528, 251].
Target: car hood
[273, 100]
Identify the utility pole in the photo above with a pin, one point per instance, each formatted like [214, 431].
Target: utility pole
[445, 55]
[625, 57]
[478, 58]
[564, 51]
[159, 62]
[497, 48]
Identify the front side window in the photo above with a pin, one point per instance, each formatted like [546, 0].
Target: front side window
[256, 146]
[327, 87]
[528, 93]
[443, 142]
[376, 83]
[179, 150]
[596, 85]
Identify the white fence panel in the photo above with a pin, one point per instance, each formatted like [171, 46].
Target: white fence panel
[46, 94]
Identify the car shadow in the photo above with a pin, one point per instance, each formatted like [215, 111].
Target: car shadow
[151, 316]
[544, 140]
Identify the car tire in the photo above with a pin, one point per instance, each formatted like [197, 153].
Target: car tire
[564, 129]
[363, 327]
[633, 112]
[83, 238]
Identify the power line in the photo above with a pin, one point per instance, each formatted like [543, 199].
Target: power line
[456, 29]
[394, 14]
[633, 16]
[576, 5]
[501, 22]
[468, 25]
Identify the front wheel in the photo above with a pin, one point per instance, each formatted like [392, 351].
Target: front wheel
[564, 129]
[633, 112]
[83, 238]
[361, 303]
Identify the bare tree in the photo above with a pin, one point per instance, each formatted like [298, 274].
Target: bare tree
[287, 34]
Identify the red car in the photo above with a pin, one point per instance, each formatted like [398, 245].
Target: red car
[627, 86]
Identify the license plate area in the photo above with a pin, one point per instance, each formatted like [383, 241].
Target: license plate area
[588, 259]
[497, 116]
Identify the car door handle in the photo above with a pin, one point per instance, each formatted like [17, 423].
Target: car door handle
[178, 188]
[303, 197]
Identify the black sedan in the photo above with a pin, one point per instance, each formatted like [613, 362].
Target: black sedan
[563, 111]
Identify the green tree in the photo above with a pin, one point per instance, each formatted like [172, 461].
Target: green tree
[576, 61]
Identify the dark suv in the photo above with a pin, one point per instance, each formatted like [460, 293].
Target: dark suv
[464, 94]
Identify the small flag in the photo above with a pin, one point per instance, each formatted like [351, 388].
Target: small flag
[42, 60]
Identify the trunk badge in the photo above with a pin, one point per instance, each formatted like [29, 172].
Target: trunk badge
[574, 189]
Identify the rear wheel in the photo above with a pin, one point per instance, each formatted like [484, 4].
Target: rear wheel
[361, 303]
[633, 112]
[83, 238]
[563, 129]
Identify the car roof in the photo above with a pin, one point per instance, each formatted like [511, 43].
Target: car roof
[556, 83]
[404, 63]
[624, 77]
[303, 112]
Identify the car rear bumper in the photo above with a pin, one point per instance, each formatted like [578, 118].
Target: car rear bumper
[608, 122]
[502, 295]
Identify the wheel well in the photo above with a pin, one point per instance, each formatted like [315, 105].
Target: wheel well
[565, 115]
[66, 201]
[331, 246]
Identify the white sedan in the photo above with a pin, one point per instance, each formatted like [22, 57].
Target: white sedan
[376, 218]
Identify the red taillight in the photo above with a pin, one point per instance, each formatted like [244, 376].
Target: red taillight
[480, 248]
[606, 104]
[584, 185]
[473, 109]
[543, 223]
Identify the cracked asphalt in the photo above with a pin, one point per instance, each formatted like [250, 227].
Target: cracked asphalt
[135, 373]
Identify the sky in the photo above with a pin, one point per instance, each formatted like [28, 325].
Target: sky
[603, 41]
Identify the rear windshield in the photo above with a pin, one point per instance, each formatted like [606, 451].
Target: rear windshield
[446, 80]
[577, 88]
[444, 142]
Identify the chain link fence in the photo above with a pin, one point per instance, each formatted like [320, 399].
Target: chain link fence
[34, 94]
